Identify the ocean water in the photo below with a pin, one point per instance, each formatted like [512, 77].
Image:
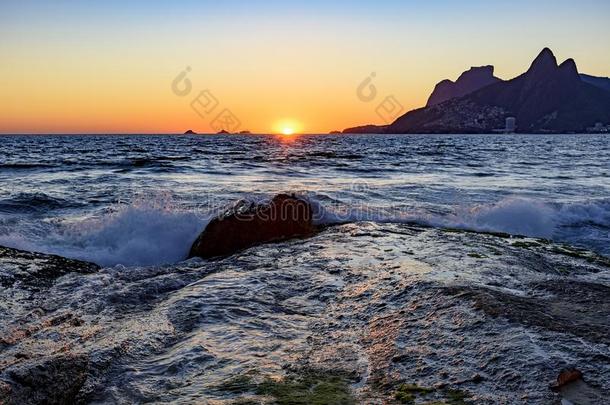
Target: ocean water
[142, 200]
[387, 296]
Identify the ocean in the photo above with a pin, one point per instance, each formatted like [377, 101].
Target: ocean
[451, 269]
[142, 200]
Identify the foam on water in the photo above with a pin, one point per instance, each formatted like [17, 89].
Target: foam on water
[533, 217]
[155, 231]
[142, 233]
[563, 222]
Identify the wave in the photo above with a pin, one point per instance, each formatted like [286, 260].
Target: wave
[25, 166]
[533, 217]
[33, 202]
[564, 222]
[154, 231]
[144, 233]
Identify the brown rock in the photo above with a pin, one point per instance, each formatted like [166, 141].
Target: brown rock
[285, 217]
[566, 377]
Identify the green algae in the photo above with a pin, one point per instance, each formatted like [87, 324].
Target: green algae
[245, 402]
[502, 235]
[457, 397]
[406, 393]
[409, 393]
[525, 244]
[237, 385]
[308, 387]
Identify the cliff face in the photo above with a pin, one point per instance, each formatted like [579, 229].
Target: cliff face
[546, 98]
[470, 81]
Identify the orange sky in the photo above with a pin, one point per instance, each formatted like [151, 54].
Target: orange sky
[69, 68]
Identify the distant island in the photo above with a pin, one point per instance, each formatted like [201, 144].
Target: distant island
[548, 98]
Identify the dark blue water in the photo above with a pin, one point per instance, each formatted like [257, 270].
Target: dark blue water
[142, 200]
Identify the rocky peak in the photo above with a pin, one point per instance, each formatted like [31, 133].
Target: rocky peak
[477, 73]
[569, 70]
[545, 63]
[468, 82]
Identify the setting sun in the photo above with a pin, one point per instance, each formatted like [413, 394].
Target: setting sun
[288, 127]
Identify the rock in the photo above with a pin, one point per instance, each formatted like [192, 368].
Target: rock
[470, 81]
[245, 133]
[223, 132]
[548, 98]
[37, 270]
[565, 309]
[54, 380]
[366, 129]
[249, 224]
[601, 82]
[190, 132]
[566, 377]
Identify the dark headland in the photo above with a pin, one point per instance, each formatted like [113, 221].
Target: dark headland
[548, 98]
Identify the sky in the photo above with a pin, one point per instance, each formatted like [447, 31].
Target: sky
[265, 66]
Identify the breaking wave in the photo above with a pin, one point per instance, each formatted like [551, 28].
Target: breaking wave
[155, 231]
[563, 222]
[140, 234]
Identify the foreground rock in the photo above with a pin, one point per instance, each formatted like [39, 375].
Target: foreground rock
[250, 224]
[54, 380]
[359, 313]
[37, 269]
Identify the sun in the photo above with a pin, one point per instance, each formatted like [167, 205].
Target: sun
[287, 127]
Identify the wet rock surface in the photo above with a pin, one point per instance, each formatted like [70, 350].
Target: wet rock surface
[361, 313]
[567, 306]
[250, 224]
[52, 380]
[37, 269]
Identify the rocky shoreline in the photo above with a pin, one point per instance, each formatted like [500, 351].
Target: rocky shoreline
[360, 313]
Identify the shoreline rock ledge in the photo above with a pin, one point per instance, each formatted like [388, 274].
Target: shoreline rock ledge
[249, 224]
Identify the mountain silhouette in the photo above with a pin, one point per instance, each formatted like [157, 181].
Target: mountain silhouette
[601, 82]
[547, 98]
[468, 82]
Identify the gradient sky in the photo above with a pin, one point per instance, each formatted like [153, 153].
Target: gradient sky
[82, 67]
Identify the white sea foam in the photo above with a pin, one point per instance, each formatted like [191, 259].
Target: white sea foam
[153, 231]
[518, 216]
[142, 233]
[513, 215]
